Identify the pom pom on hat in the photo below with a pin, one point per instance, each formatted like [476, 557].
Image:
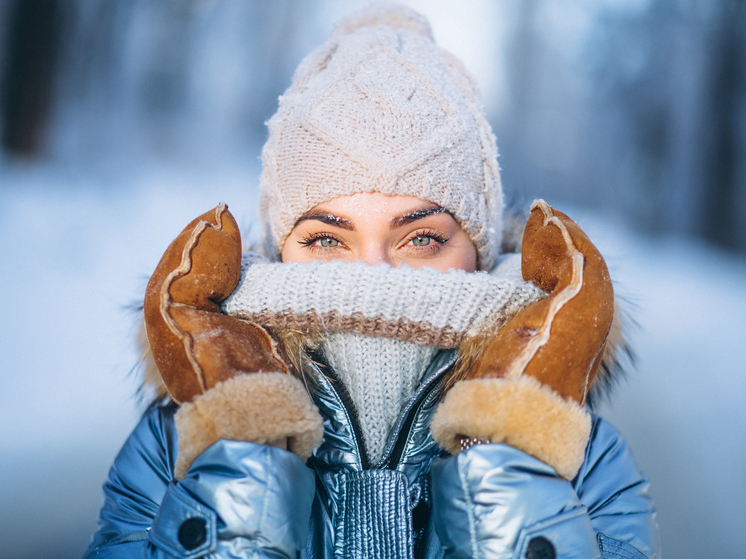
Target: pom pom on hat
[395, 16]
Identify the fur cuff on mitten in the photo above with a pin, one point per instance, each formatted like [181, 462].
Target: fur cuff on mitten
[520, 412]
[257, 408]
[528, 386]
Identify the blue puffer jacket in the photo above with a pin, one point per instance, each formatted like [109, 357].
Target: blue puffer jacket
[245, 500]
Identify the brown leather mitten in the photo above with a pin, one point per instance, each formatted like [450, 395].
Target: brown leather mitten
[226, 372]
[529, 385]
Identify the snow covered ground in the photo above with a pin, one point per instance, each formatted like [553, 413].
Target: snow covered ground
[76, 249]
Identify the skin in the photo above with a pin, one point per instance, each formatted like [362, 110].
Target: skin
[375, 228]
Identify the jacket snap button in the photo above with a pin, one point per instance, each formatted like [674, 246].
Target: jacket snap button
[540, 548]
[192, 533]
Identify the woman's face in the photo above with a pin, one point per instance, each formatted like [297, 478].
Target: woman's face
[374, 228]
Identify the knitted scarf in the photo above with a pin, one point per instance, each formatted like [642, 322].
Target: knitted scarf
[380, 326]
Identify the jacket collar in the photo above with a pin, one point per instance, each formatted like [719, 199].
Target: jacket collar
[342, 447]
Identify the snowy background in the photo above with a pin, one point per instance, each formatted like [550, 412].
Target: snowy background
[155, 115]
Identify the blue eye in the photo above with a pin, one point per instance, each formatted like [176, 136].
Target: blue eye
[328, 242]
[421, 241]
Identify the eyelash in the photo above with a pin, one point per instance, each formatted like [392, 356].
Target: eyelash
[433, 234]
[309, 241]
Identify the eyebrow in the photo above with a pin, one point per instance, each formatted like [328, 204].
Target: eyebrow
[328, 218]
[405, 219]
[343, 223]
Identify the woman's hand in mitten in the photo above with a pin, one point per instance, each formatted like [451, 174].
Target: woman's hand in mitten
[226, 372]
[529, 385]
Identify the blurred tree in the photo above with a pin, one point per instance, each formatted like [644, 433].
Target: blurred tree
[645, 116]
[724, 202]
[175, 78]
[32, 43]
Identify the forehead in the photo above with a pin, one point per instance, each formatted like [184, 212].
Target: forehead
[372, 203]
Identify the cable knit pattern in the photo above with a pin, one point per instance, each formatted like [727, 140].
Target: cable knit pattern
[420, 305]
[380, 374]
[379, 107]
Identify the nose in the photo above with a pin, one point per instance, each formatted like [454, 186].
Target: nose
[375, 253]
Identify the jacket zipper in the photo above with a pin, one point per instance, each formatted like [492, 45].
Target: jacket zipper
[346, 400]
[396, 453]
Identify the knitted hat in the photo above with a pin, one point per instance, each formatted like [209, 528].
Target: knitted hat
[379, 107]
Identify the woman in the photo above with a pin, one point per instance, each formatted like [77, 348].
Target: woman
[368, 390]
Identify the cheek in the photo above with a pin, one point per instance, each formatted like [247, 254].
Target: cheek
[468, 261]
[465, 259]
[291, 251]
[463, 254]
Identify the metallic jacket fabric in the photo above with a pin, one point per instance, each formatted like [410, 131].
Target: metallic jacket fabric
[492, 501]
